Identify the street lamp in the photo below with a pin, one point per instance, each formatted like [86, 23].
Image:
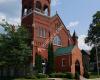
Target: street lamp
[96, 46]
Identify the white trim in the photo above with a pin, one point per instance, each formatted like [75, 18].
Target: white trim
[62, 62]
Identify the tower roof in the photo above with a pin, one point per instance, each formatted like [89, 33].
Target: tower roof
[74, 35]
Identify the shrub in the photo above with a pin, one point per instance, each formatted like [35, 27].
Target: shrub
[61, 75]
[86, 75]
[69, 75]
[76, 75]
[31, 77]
[41, 75]
[36, 76]
[57, 75]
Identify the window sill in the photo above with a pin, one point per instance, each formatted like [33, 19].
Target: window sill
[57, 45]
[42, 37]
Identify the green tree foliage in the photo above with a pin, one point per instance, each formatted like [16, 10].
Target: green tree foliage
[93, 37]
[38, 63]
[85, 59]
[15, 49]
[93, 55]
[94, 30]
[50, 67]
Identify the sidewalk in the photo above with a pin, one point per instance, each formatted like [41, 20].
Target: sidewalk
[94, 79]
[54, 79]
[82, 78]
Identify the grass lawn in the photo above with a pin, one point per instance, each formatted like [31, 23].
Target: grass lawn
[42, 79]
[94, 75]
[32, 79]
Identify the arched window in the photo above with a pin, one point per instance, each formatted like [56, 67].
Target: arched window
[45, 9]
[38, 5]
[25, 11]
[42, 32]
[57, 40]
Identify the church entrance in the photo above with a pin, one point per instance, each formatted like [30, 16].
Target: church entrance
[77, 69]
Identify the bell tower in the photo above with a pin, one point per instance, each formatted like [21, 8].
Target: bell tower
[43, 6]
[30, 10]
[30, 6]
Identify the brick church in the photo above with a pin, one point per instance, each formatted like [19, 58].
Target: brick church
[45, 29]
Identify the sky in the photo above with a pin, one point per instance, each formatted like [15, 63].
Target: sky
[76, 14]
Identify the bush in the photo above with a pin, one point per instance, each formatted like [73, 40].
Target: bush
[31, 77]
[57, 75]
[61, 75]
[69, 75]
[41, 75]
[77, 75]
[86, 75]
[36, 76]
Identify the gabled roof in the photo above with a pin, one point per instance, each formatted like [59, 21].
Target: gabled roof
[57, 15]
[64, 50]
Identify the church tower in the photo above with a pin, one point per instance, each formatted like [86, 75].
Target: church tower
[29, 7]
[35, 16]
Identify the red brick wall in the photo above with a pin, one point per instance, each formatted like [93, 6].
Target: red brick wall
[58, 63]
[77, 55]
[48, 23]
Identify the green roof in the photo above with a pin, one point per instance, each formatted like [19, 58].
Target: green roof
[64, 50]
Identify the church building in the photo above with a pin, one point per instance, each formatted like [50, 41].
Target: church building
[45, 29]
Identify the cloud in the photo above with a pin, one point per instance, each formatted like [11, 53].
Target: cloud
[2, 17]
[6, 1]
[73, 24]
[11, 8]
[10, 11]
[81, 43]
[55, 2]
[12, 20]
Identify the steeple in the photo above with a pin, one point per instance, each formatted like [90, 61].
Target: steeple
[75, 38]
[74, 35]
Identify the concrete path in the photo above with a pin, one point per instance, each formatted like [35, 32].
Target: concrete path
[94, 79]
[59, 79]
[54, 79]
[82, 78]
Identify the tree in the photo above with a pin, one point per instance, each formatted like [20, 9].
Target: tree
[85, 59]
[38, 63]
[94, 30]
[93, 58]
[93, 37]
[50, 67]
[93, 55]
[15, 49]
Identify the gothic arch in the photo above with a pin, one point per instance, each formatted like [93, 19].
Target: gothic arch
[24, 10]
[38, 5]
[57, 40]
[77, 67]
[46, 9]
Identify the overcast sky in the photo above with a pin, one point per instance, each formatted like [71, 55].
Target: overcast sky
[76, 14]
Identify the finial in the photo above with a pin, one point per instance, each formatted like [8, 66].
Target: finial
[56, 12]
